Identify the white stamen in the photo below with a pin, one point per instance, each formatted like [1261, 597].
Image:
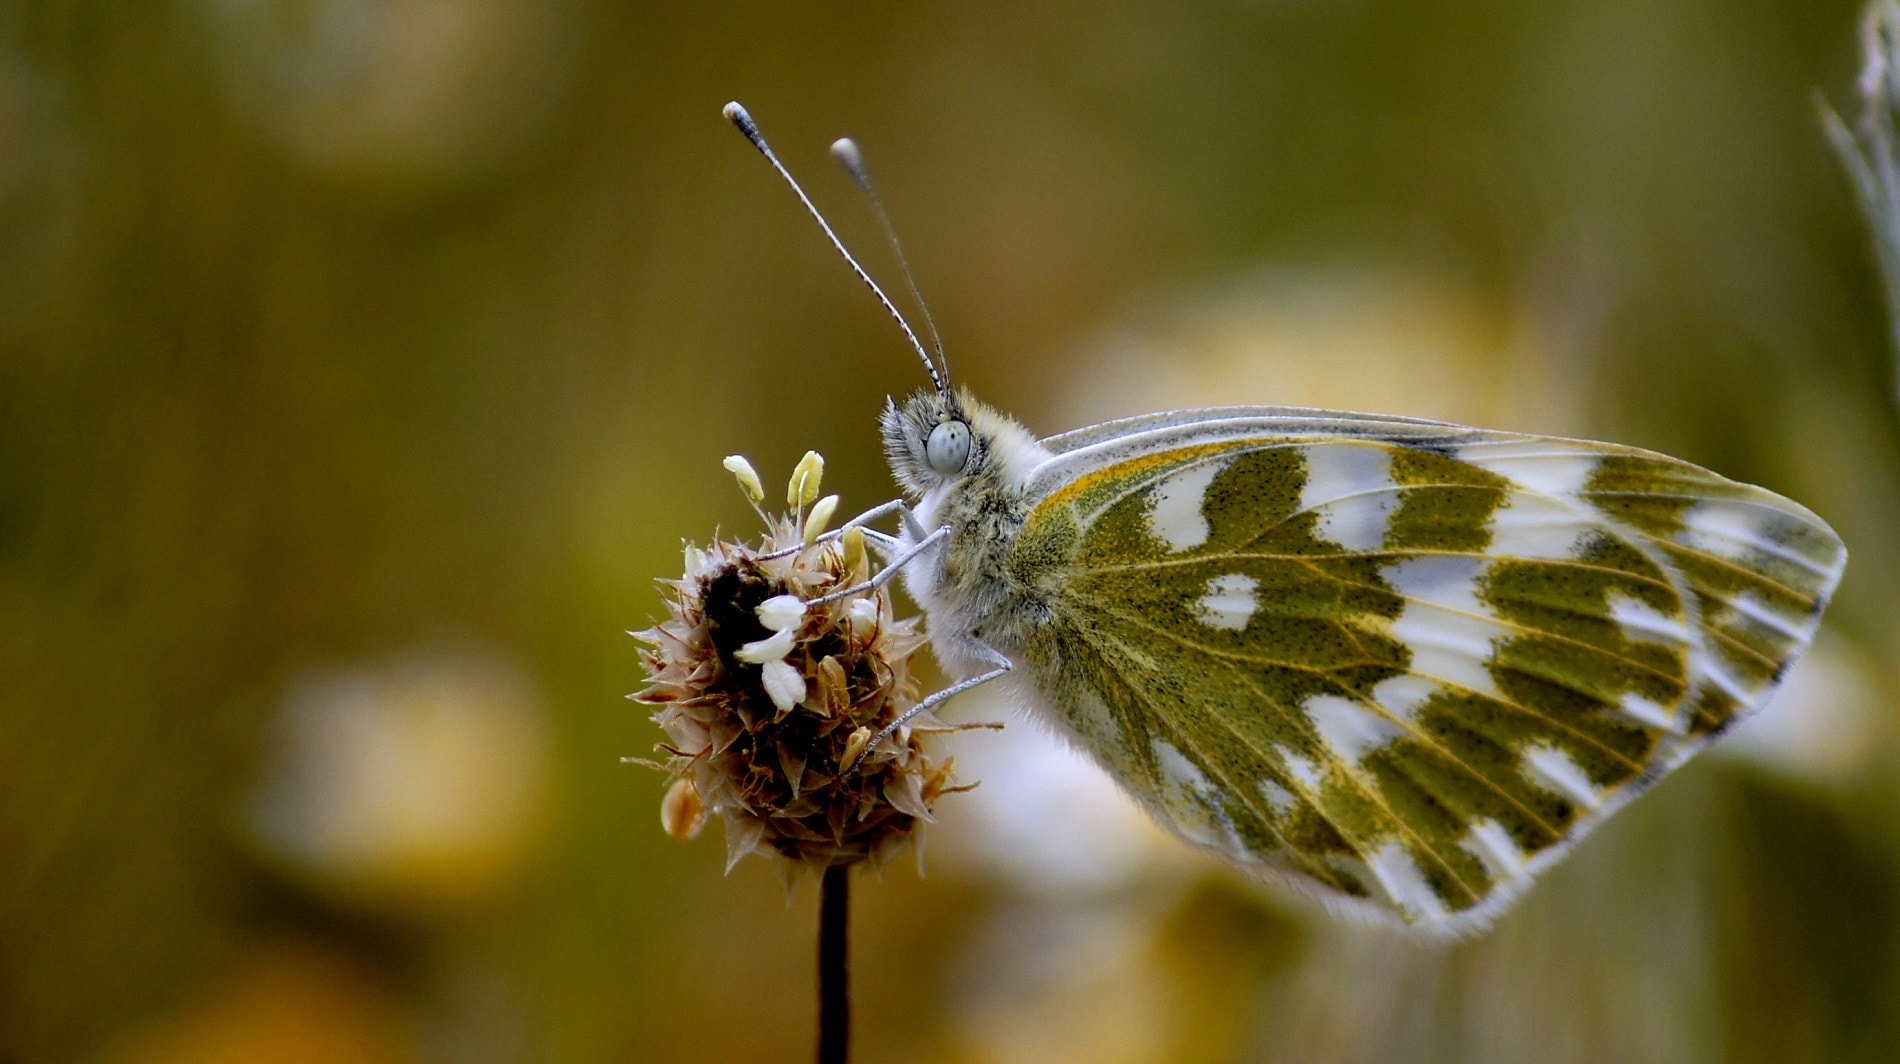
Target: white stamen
[863, 614]
[781, 612]
[771, 648]
[783, 684]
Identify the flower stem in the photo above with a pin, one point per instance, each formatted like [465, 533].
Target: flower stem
[834, 972]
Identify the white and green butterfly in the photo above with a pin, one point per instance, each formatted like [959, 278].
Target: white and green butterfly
[1402, 664]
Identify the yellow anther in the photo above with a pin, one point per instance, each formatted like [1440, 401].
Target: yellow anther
[803, 490]
[682, 813]
[747, 477]
[854, 747]
[853, 540]
[820, 518]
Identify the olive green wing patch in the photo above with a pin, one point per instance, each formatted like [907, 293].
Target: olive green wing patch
[1403, 672]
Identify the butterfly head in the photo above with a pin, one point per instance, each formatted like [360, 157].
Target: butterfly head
[935, 439]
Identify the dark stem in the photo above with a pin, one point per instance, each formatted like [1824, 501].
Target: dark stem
[834, 970]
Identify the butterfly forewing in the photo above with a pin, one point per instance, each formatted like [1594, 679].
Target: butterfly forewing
[1404, 663]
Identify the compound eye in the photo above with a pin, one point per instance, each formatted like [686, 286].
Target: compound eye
[948, 448]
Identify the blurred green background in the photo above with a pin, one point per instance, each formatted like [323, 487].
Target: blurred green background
[363, 361]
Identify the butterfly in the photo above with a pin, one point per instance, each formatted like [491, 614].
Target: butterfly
[1402, 665]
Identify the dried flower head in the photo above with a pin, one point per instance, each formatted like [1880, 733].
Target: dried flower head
[770, 699]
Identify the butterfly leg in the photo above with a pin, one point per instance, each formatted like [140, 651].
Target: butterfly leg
[991, 654]
[890, 545]
[891, 568]
[875, 512]
[884, 541]
[886, 545]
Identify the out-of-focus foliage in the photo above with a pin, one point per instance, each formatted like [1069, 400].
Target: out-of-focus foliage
[362, 362]
[1868, 150]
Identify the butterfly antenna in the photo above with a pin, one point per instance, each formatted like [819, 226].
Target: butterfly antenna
[737, 116]
[845, 150]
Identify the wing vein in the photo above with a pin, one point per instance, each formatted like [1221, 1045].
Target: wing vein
[1511, 703]
[1413, 552]
[1517, 627]
[1319, 871]
[1370, 792]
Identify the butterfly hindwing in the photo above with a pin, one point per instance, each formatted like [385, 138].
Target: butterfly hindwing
[1397, 661]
